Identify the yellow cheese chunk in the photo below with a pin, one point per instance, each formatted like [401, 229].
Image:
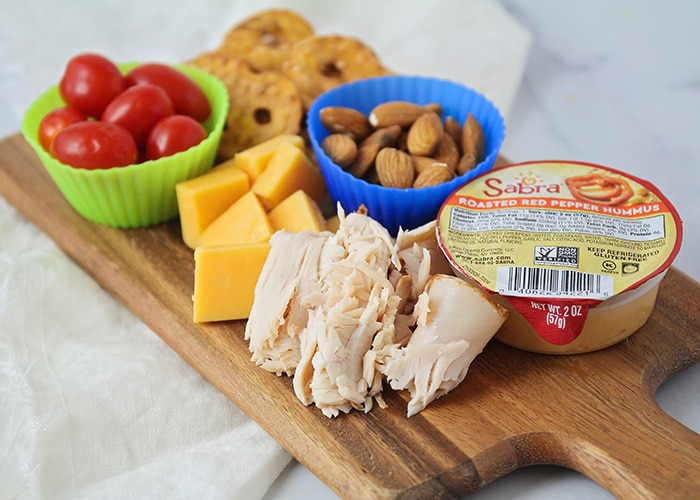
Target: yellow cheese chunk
[288, 170]
[333, 223]
[225, 279]
[231, 162]
[245, 221]
[296, 213]
[202, 199]
[254, 159]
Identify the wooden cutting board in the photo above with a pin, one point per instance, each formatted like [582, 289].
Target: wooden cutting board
[594, 413]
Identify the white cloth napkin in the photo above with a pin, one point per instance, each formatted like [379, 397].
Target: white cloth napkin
[92, 403]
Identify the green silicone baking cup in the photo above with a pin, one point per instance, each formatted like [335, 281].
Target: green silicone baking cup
[137, 195]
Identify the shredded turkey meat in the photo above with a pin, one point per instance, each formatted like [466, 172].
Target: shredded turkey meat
[358, 304]
[453, 319]
[341, 311]
[288, 281]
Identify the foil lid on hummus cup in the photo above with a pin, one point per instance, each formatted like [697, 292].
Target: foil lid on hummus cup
[557, 238]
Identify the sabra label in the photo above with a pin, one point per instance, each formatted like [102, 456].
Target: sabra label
[557, 238]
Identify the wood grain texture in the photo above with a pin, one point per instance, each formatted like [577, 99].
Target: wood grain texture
[594, 413]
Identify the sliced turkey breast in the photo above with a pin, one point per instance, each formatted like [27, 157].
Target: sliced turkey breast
[455, 320]
[426, 237]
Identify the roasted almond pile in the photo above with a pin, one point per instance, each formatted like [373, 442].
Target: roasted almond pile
[402, 144]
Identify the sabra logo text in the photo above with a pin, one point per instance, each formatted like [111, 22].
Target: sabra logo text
[523, 184]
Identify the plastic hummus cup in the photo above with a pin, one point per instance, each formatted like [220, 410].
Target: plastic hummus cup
[576, 251]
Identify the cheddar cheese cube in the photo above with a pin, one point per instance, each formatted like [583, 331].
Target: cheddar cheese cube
[296, 213]
[333, 223]
[245, 221]
[202, 199]
[225, 279]
[231, 162]
[254, 160]
[288, 170]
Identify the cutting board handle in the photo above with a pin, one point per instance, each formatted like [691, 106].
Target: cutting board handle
[654, 456]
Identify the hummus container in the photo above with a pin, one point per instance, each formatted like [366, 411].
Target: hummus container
[575, 251]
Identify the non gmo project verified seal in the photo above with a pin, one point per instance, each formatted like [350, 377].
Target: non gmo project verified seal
[556, 256]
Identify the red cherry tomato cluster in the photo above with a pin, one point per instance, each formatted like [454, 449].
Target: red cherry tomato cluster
[114, 120]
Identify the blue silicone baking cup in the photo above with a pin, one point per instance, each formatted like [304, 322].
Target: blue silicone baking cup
[402, 208]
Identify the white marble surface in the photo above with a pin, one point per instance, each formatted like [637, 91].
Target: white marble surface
[615, 83]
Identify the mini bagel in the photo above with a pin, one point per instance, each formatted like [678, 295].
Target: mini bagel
[219, 64]
[262, 106]
[265, 39]
[322, 62]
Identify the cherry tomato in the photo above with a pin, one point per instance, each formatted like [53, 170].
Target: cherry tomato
[94, 144]
[174, 134]
[138, 109]
[90, 82]
[56, 120]
[188, 98]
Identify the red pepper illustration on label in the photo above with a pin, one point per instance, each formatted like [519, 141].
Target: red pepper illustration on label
[598, 188]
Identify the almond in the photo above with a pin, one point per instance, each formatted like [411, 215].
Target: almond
[453, 128]
[343, 120]
[433, 176]
[424, 135]
[384, 137]
[340, 148]
[364, 160]
[400, 113]
[371, 176]
[447, 152]
[402, 140]
[421, 163]
[435, 107]
[473, 138]
[394, 168]
[466, 163]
